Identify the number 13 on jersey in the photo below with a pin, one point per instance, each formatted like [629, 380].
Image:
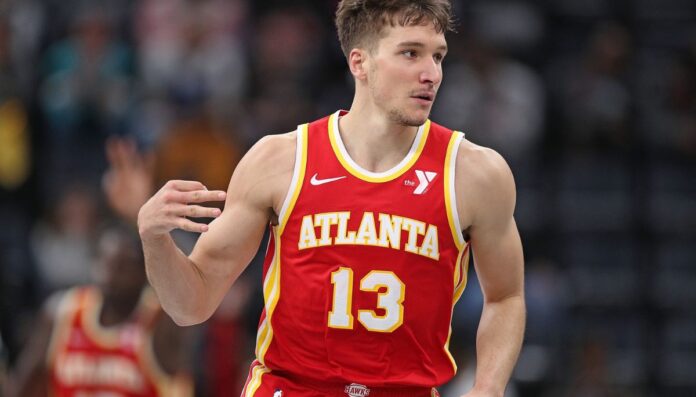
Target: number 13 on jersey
[391, 300]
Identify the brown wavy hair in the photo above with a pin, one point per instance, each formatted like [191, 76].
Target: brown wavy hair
[360, 22]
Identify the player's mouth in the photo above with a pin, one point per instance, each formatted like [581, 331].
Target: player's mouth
[424, 97]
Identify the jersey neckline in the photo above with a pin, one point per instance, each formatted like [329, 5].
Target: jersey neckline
[376, 177]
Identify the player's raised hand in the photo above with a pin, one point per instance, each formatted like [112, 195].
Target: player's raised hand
[127, 183]
[173, 204]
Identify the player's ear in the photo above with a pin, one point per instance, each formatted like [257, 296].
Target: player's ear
[357, 62]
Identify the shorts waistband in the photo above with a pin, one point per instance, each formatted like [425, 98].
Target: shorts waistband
[360, 390]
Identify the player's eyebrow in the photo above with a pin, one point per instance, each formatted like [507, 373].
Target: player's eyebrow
[420, 45]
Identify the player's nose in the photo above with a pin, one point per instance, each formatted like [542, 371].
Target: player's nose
[431, 72]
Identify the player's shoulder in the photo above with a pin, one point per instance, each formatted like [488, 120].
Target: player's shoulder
[265, 169]
[485, 161]
[484, 170]
[63, 302]
[277, 150]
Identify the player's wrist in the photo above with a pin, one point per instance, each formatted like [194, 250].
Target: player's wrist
[153, 238]
[487, 390]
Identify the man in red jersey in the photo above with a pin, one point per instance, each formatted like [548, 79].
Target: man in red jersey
[374, 213]
[110, 339]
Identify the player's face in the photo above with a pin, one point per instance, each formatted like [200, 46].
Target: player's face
[405, 72]
[120, 271]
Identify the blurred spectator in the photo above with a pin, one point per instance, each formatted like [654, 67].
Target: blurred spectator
[128, 182]
[85, 95]
[286, 75]
[669, 112]
[26, 20]
[193, 45]
[17, 271]
[15, 158]
[592, 91]
[498, 102]
[190, 52]
[62, 243]
[198, 147]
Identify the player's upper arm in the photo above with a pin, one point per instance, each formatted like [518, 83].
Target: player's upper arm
[260, 179]
[31, 376]
[486, 197]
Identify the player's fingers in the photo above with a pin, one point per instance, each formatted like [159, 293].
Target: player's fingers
[185, 186]
[148, 162]
[196, 211]
[202, 196]
[129, 153]
[122, 153]
[191, 226]
[113, 152]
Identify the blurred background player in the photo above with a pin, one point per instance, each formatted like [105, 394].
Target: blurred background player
[110, 338]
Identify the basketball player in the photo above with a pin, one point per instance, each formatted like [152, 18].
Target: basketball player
[374, 214]
[111, 339]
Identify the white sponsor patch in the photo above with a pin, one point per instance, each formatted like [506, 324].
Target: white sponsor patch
[424, 179]
[357, 390]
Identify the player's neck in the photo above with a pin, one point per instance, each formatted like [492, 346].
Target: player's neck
[114, 312]
[373, 141]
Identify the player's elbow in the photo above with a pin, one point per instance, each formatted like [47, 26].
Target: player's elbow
[191, 315]
[188, 320]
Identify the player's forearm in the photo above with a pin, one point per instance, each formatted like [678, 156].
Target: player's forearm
[177, 280]
[498, 344]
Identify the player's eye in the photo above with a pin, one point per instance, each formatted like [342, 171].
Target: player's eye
[438, 57]
[409, 53]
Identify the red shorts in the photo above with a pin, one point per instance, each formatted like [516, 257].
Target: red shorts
[261, 382]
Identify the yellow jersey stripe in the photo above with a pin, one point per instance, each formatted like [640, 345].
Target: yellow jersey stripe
[355, 170]
[255, 382]
[460, 279]
[455, 283]
[261, 336]
[271, 296]
[464, 264]
[449, 355]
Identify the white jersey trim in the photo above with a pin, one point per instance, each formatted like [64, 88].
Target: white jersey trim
[452, 189]
[298, 170]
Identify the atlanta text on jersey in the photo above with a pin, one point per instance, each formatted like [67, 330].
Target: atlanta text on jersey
[387, 235]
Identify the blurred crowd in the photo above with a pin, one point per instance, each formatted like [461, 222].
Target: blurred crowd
[593, 104]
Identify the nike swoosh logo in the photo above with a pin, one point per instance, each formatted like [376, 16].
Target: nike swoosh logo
[316, 182]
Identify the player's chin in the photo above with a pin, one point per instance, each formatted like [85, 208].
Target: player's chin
[410, 116]
[419, 116]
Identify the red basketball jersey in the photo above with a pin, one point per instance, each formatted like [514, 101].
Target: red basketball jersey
[363, 268]
[86, 359]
